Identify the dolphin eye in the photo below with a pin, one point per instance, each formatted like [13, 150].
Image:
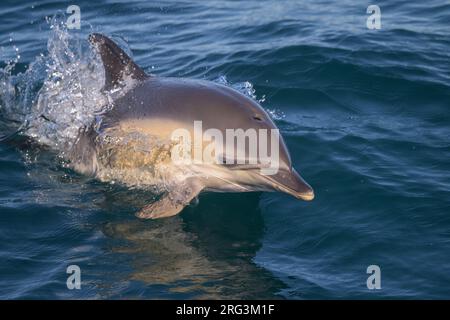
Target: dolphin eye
[257, 118]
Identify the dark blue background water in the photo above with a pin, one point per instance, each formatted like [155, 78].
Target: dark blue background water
[365, 114]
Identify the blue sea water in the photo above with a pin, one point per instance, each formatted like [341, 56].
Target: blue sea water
[365, 114]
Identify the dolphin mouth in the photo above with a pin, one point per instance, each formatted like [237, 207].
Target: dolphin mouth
[292, 183]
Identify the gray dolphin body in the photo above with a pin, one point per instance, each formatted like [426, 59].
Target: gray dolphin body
[132, 143]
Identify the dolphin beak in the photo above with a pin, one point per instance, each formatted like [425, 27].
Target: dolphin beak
[292, 183]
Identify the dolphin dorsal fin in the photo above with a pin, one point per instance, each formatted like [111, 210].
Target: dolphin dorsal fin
[116, 62]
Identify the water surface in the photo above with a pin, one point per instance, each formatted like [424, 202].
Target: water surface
[365, 114]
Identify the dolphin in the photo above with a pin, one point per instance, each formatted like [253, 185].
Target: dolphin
[132, 141]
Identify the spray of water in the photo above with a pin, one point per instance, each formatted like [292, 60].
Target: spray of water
[247, 88]
[59, 93]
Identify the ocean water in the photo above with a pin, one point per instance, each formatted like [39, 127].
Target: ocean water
[365, 114]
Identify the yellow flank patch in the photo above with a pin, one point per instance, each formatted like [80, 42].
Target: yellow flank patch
[119, 149]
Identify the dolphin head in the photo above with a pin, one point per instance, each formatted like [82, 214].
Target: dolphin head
[284, 178]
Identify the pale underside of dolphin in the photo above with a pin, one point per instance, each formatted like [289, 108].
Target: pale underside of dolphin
[132, 142]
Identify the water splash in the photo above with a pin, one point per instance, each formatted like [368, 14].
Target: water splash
[71, 95]
[247, 89]
[276, 114]
[59, 93]
[16, 92]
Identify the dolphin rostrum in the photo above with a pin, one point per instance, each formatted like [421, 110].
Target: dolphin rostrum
[133, 142]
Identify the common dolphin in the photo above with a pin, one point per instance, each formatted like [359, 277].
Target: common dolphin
[131, 142]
